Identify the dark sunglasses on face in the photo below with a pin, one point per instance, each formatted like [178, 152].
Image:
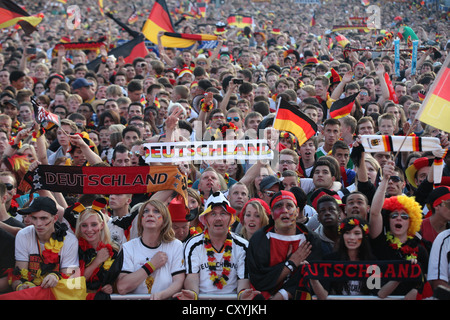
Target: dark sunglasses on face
[9, 186]
[236, 119]
[395, 179]
[395, 215]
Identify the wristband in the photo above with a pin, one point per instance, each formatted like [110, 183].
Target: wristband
[240, 293]
[54, 274]
[18, 286]
[290, 265]
[195, 295]
[284, 294]
[149, 268]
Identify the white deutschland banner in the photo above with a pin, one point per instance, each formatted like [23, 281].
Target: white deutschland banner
[245, 150]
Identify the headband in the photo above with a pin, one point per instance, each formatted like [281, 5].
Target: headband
[281, 195]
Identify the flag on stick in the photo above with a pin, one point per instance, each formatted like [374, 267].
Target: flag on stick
[290, 118]
[435, 109]
[312, 23]
[44, 117]
[133, 17]
[159, 20]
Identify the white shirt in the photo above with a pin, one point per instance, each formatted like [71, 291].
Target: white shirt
[27, 249]
[136, 254]
[197, 262]
[118, 233]
[439, 264]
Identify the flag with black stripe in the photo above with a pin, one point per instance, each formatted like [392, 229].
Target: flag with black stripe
[290, 118]
[342, 107]
[12, 14]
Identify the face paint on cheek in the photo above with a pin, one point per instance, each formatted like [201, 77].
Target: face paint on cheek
[276, 213]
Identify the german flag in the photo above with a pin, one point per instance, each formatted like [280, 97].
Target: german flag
[66, 289]
[435, 109]
[346, 27]
[312, 23]
[290, 118]
[129, 51]
[159, 20]
[342, 40]
[342, 107]
[100, 7]
[240, 21]
[202, 8]
[11, 14]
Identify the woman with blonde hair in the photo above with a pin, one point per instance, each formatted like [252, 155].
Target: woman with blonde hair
[98, 254]
[253, 216]
[153, 262]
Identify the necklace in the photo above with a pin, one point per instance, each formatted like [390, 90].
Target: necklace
[403, 248]
[50, 254]
[219, 281]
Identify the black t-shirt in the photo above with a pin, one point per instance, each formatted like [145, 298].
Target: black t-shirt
[382, 250]
[356, 287]
[13, 222]
[7, 247]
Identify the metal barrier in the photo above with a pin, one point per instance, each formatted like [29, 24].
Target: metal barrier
[234, 297]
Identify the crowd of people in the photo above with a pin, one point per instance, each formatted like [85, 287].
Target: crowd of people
[249, 227]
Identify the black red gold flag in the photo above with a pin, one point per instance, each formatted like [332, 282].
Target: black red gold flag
[290, 118]
[159, 20]
[12, 14]
[342, 107]
[240, 21]
[130, 50]
[435, 109]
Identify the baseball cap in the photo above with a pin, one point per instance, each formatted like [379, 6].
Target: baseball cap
[268, 182]
[80, 83]
[40, 203]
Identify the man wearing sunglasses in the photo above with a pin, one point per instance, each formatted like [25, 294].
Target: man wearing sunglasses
[396, 183]
[268, 187]
[7, 222]
[235, 116]
[8, 179]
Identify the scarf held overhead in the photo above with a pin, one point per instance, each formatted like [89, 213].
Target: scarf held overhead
[107, 180]
[384, 143]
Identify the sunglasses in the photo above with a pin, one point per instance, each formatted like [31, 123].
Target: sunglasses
[269, 193]
[395, 215]
[9, 186]
[395, 179]
[236, 119]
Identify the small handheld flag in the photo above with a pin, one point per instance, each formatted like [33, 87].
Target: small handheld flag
[343, 107]
[290, 118]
